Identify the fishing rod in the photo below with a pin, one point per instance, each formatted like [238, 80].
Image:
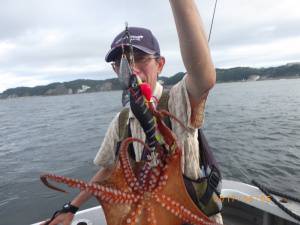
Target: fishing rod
[127, 35]
[212, 20]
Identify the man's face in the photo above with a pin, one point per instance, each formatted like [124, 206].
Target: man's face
[146, 66]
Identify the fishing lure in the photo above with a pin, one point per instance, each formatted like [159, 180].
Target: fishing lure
[139, 95]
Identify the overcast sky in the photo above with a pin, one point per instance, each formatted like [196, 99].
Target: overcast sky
[44, 41]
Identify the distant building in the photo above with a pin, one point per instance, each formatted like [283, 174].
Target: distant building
[161, 82]
[83, 89]
[253, 78]
[293, 64]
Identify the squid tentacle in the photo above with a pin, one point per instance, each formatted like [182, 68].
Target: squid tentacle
[131, 179]
[181, 211]
[107, 194]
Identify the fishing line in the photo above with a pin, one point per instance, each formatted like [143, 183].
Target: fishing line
[241, 169]
[212, 20]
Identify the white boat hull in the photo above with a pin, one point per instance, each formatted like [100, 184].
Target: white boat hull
[244, 204]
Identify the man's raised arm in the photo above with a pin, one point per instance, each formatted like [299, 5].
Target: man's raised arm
[194, 48]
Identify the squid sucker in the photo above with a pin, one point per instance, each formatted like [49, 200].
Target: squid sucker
[143, 193]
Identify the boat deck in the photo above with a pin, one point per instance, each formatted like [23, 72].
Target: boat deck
[238, 213]
[245, 204]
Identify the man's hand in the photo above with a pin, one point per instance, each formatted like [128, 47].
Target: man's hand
[63, 218]
[83, 196]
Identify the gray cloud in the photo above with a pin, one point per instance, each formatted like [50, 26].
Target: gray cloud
[47, 41]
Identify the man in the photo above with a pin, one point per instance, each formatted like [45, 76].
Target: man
[186, 99]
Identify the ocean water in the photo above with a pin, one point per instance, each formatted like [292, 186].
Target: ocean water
[253, 127]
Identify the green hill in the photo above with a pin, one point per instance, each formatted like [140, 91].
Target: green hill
[291, 70]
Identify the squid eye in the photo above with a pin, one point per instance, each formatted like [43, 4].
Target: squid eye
[134, 85]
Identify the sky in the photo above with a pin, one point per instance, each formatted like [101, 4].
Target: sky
[45, 41]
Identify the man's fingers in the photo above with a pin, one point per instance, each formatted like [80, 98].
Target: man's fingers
[56, 221]
[45, 222]
[68, 219]
[66, 222]
[59, 219]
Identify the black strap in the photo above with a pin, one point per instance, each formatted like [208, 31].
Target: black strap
[70, 209]
[55, 214]
[206, 157]
[207, 160]
[123, 120]
[190, 189]
[212, 183]
[131, 149]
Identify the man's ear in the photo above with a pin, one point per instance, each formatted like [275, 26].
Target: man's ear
[161, 63]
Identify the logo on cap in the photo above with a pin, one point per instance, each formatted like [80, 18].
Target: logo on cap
[132, 37]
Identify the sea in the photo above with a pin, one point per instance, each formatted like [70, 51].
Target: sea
[253, 128]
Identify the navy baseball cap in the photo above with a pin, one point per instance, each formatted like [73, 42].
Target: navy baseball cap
[141, 38]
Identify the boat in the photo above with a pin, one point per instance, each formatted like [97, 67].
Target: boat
[243, 204]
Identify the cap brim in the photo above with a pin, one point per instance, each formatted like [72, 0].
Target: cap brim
[114, 52]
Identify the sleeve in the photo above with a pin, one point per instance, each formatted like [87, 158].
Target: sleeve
[180, 106]
[106, 153]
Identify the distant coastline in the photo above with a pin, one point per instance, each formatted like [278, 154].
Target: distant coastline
[288, 71]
